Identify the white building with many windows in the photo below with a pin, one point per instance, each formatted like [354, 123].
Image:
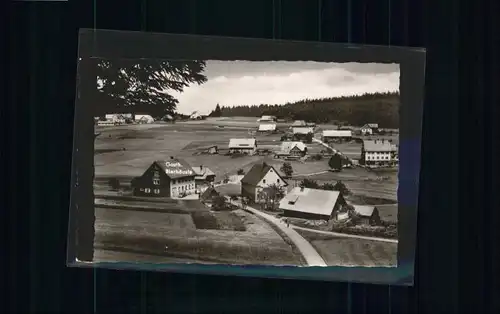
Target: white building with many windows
[376, 152]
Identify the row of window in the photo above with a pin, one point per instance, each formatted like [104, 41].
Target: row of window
[185, 187]
[377, 157]
[148, 190]
[157, 181]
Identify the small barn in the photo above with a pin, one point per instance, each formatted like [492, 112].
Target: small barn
[314, 204]
[368, 215]
[144, 119]
[267, 119]
[369, 129]
[208, 195]
[258, 178]
[336, 135]
[267, 127]
[298, 123]
[209, 150]
[243, 146]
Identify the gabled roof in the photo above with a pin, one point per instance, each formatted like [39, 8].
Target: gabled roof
[175, 168]
[143, 117]
[209, 193]
[202, 172]
[267, 127]
[337, 133]
[312, 201]
[242, 143]
[302, 130]
[299, 123]
[257, 173]
[286, 147]
[379, 146]
[364, 210]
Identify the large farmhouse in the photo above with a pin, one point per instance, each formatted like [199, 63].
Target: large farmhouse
[258, 178]
[336, 135]
[292, 149]
[166, 178]
[312, 204]
[379, 152]
[242, 146]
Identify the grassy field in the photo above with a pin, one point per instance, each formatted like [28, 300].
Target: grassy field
[126, 151]
[337, 251]
[178, 236]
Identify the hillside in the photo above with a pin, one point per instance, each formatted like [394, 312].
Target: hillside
[381, 108]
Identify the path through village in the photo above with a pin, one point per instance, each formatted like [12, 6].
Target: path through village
[310, 254]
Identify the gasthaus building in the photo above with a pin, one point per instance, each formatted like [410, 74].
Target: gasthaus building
[166, 178]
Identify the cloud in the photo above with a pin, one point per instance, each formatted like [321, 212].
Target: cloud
[253, 83]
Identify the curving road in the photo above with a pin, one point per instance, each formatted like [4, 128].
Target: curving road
[310, 254]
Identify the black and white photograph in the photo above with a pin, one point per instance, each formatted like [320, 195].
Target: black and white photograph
[246, 162]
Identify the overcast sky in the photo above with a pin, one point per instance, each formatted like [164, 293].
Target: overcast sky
[277, 82]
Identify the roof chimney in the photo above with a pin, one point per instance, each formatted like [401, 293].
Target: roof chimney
[301, 189]
[171, 157]
[201, 167]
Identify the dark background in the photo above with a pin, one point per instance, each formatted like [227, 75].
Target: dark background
[457, 264]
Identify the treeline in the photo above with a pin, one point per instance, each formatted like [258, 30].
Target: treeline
[381, 108]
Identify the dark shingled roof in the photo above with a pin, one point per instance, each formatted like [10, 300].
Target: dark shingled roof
[209, 194]
[256, 174]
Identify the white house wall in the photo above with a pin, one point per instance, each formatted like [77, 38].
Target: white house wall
[271, 178]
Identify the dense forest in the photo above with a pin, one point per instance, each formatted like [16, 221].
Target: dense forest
[381, 108]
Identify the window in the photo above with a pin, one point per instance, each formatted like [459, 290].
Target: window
[147, 190]
[156, 181]
[278, 180]
[264, 181]
[141, 189]
[157, 191]
[156, 174]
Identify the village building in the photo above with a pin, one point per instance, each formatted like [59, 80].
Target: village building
[113, 119]
[259, 177]
[195, 116]
[210, 150]
[207, 196]
[336, 136]
[299, 123]
[203, 177]
[369, 129]
[311, 124]
[379, 152]
[367, 215]
[144, 119]
[267, 119]
[166, 178]
[314, 204]
[267, 127]
[292, 149]
[243, 146]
